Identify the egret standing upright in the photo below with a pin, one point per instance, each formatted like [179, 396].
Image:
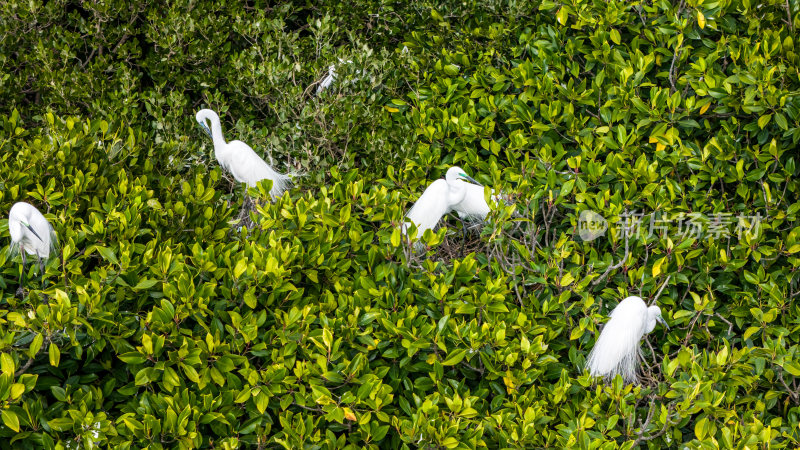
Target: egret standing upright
[617, 350]
[30, 234]
[239, 158]
[454, 193]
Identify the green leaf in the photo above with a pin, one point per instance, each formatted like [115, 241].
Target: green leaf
[7, 364]
[60, 424]
[615, 37]
[455, 357]
[10, 419]
[59, 393]
[36, 345]
[132, 358]
[657, 266]
[145, 284]
[17, 389]
[562, 15]
[764, 120]
[190, 372]
[241, 266]
[55, 354]
[793, 367]
[108, 254]
[142, 377]
[780, 119]
[566, 188]
[250, 300]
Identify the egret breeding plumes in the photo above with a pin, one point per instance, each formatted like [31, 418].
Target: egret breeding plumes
[454, 193]
[617, 350]
[239, 159]
[474, 206]
[31, 234]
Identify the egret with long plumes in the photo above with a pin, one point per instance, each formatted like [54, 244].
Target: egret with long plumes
[31, 234]
[239, 158]
[454, 193]
[617, 350]
[474, 206]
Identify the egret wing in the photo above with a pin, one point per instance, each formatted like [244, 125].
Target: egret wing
[430, 207]
[473, 206]
[247, 167]
[42, 242]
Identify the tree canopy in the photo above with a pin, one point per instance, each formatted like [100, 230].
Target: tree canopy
[671, 125]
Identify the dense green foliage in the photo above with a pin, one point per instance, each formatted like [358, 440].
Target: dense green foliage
[162, 326]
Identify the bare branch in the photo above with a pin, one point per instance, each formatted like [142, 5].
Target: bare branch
[640, 435]
[658, 294]
[792, 393]
[730, 325]
[617, 265]
[789, 16]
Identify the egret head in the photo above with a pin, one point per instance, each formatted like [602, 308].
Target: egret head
[203, 116]
[457, 173]
[653, 317]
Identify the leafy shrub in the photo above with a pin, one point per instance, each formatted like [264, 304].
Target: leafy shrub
[162, 325]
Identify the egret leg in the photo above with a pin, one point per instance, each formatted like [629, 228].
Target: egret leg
[20, 289]
[22, 273]
[463, 233]
[41, 263]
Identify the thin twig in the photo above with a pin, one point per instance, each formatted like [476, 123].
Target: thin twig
[658, 294]
[789, 17]
[27, 365]
[615, 266]
[730, 325]
[642, 438]
[794, 395]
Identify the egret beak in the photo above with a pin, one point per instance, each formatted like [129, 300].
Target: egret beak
[662, 321]
[33, 231]
[469, 178]
[204, 127]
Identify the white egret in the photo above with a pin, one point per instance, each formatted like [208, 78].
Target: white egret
[31, 234]
[239, 159]
[474, 206]
[331, 76]
[617, 350]
[328, 80]
[444, 196]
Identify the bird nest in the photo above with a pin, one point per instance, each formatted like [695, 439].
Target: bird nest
[460, 243]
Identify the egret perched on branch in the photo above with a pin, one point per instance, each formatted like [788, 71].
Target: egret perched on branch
[617, 349]
[31, 234]
[328, 80]
[454, 193]
[239, 159]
